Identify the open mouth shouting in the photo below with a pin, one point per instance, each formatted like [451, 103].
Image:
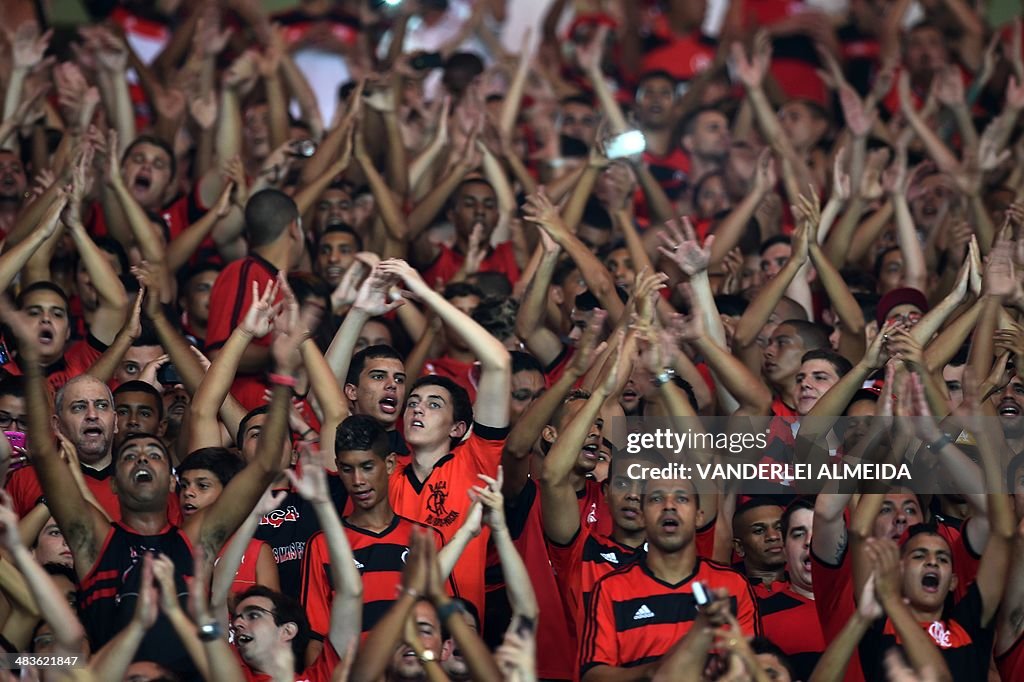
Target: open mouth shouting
[142, 475]
[930, 582]
[590, 452]
[1008, 407]
[389, 405]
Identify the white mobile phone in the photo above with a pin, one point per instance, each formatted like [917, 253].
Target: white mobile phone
[629, 143]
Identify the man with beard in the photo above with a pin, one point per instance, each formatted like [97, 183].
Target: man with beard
[12, 189]
[639, 617]
[757, 537]
[107, 555]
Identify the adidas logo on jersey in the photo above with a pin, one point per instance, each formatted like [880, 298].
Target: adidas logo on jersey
[610, 558]
[358, 565]
[643, 612]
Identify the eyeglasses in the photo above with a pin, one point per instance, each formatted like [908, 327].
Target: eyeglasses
[7, 419]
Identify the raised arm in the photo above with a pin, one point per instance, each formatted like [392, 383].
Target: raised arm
[347, 607]
[112, 661]
[831, 667]
[493, 393]
[84, 527]
[378, 648]
[53, 607]
[760, 309]
[921, 650]
[530, 327]
[372, 300]
[14, 259]
[523, 436]
[541, 211]
[216, 384]
[329, 396]
[211, 530]
[559, 507]
[520, 591]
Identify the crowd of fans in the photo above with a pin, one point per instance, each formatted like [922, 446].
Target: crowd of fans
[315, 328]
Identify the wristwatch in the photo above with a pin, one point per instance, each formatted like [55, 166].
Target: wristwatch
[209, 632]
[427, 656]
[664, 377]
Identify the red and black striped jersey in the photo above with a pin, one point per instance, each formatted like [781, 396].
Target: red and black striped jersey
[380, 558]
[791, 621]
[634, 618]
[109, 593]
[582, 563]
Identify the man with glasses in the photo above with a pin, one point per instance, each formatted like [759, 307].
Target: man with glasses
[265, 620]
[13, 416]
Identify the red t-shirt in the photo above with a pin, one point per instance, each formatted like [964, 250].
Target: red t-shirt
[553, 623]
[1011, 664]
[501, 259]
[322, 669]
[791, 621]
[794, 59]
[231, 297]
[245, 576]
[580, 564]
[78, 358]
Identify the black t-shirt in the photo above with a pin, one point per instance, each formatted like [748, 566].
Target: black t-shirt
[288, 528]
[965, 644]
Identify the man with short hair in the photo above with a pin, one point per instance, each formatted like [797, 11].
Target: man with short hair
[782, 360]
[140, 409]
[758, 541]
[640, 616]
[377, 535]
[85, 416]
[335, 252]
[107, 555]
[13, 182]
[705, 139]
[273, 229]
[472, 206]
[433, 486]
